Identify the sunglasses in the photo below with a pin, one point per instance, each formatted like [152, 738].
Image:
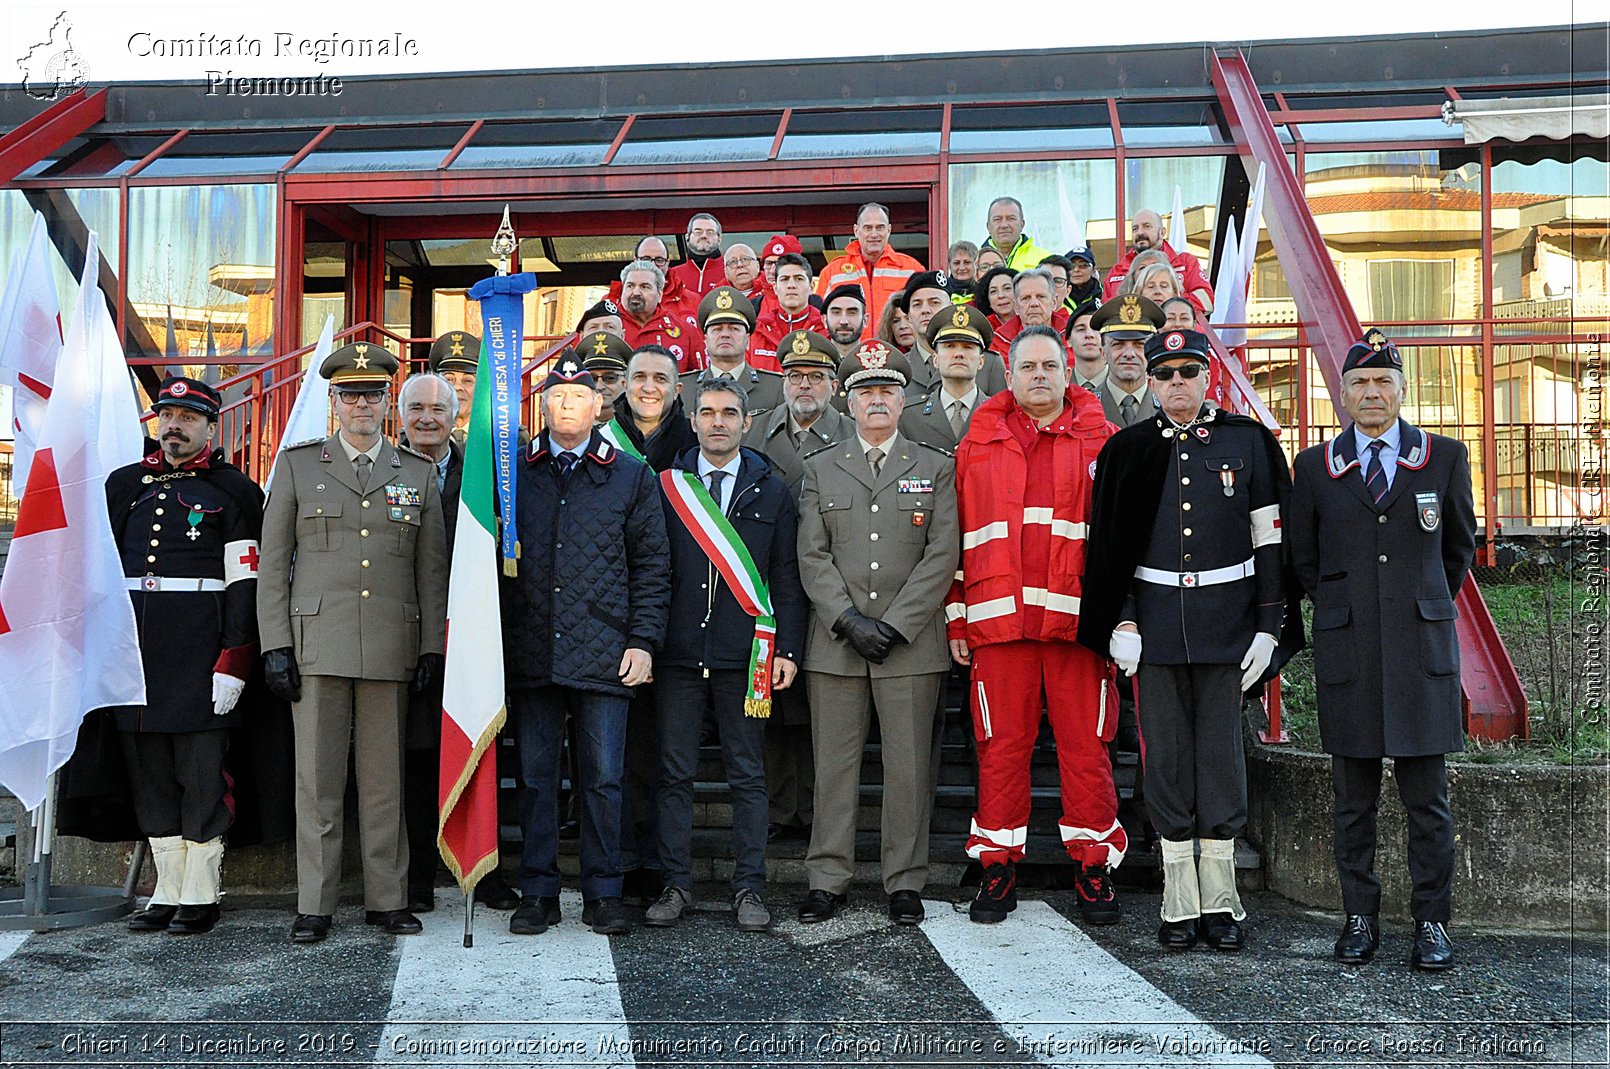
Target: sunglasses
[1189, 371]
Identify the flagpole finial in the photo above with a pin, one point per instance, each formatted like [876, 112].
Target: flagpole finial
[503, 242]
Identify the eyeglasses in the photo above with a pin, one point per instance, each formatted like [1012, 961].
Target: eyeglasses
[1189, 371]
[731, 260]
[806, 378]
[352, 397]
[657, 261]
[1061, 283]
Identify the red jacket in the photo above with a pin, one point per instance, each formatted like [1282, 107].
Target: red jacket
[677, 301]
[1011, 328]
[1187, 268]
[888, 277]
[700, 280]
[682, 338]
[1010, 516]
[773, 326]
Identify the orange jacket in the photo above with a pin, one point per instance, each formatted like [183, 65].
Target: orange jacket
[879, 281]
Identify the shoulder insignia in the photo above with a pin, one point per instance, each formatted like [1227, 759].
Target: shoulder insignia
[820, 450]
[307, 442]
[937, 449]
[411, 451]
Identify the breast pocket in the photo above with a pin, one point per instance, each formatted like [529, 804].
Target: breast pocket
[404, 521]
[836, 515]
[318, 526]
[916, 513]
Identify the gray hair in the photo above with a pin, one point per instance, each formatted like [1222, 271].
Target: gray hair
[1034, 272]
[422, 377]
[869, 206]
[1136, 280]
[705, 215]
[1013, 201]
[645, 265]
[961, 246]
[722, 385]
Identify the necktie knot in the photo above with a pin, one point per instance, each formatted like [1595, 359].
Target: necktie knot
[714, 481]
[1127, 409]
[361, 464]
[958, 418]
[875, 457]
[566, 462]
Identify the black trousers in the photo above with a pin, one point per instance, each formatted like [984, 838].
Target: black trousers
[178, 783]
[1195, 768]
[421, 812]
[1423, 788]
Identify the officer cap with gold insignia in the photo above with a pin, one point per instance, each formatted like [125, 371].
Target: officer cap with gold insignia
[456, 350]
[963, 322]
[806, 348]
[361, 365]
[1176, 345]
[569, 370]
[726, 305]
[873, 364]
[1374, 351]
[180, 392]
[602, 351]
[1129, 316]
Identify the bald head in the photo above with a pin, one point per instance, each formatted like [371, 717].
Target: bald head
[1146, 230]
[742, 265]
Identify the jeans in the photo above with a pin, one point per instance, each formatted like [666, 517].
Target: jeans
[539, 725]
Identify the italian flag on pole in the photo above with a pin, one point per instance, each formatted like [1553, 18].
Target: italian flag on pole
[472, 692]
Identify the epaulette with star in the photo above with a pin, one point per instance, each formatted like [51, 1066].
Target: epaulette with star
[936, 448]
[411, 451]
[307, 442]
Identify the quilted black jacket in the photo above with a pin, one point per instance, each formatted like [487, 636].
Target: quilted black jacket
[595, 570]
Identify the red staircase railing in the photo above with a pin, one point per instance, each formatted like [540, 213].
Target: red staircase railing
[1495, 701]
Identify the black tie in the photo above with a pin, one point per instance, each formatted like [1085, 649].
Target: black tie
[713, 481]
[566, 462]
[1375, 474]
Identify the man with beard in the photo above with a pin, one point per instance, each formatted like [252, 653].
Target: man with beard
[704, 268]
[647, 322]
[958, 337]
[1125, 323]
[844, 316]
[651, 418]
[926, 296]
[729, 318]
[1089, 367]
[1146, 233]
[1005, 223]
[790, 311]
[1035, 294]
[870, 263]
[187, 525]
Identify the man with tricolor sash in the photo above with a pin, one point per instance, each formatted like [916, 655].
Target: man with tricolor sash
[736, 630]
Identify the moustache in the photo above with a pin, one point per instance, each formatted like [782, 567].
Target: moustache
[175, 436]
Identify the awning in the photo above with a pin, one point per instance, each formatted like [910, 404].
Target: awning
[1516, 119]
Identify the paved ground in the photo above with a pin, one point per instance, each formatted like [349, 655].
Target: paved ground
[1036, 990]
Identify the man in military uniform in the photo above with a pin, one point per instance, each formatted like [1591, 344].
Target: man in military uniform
[604, 316]
[878, 547]
[455, 356]
[187, 524]
[805, 422]
[958, 338]
[1183, 580]
[1124, 324]
[1383, 531]
[352, 607]
[726, 317]
[926, 296]
[605, 356]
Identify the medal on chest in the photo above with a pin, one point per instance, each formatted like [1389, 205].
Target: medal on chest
[193, 518]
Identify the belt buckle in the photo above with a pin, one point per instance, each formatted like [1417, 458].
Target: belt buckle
[1190, 579]
[150, 582]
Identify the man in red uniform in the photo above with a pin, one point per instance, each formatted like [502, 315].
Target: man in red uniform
[869, 262]
[704, 268]
[646, 321]
[676, 300]
[790, 311]
[1035, 294]
[1146, 232]
[1023, 484]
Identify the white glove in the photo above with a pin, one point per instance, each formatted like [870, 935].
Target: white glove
[226, 691]
[1256, 662]
[1124, 648]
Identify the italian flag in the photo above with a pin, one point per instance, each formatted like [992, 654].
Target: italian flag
[472, 693]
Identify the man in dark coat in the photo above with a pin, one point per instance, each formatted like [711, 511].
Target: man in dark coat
[187, 525]
[1395, 507]
[581, 623]
[717, 654]
[651, 416]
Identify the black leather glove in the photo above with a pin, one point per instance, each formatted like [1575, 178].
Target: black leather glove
[427, 671]
[279, 672]
[864, 635]
[889, 632]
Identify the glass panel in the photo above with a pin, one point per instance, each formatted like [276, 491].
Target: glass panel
[700, 139]
[1182, 122]
[892, 132]
[383, 148]
[580, 143]
[1151, 183]
[1551, 222]
[1380, 214]
[70, 214]
[1387, 130]
[613, 249]
[257, 151]
[1085, 186]
[1353, 101]
[201, 271]
[1034, 128]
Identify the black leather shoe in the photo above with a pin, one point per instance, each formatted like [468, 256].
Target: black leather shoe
[494, 892]
[310, 928]
[1432, 951]
[194, 920]
[1178, 935]
[394, 921]
[534, 915]
[642, 887]
[152, 919]
[820, 906]
[1361, 936]
[606, 916]
[1221, 932]
[905, 907]
[421, 900]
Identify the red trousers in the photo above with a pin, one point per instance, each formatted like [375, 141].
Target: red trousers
[1012, 682]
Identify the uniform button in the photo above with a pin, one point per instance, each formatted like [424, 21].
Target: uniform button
[1185, 456]
[366, 564]
[1382, 558]
[873, 595]
[561, 501]
[159, 512]
[874, 508]
[318, 512]
[162, 497]
[874, 536]
[704, 586]
[1187, 532]
[557, 635]
[1380, 519]
[1187, 556]
[702, 625]
[558, 545]
[556, 590]
[364, 532]
[408, 515]
[150, 560]
[1186, 506]
[366, 504]
[1185, 481]
[154, 542]
[874, 565]
[364, 594]
[156, 527]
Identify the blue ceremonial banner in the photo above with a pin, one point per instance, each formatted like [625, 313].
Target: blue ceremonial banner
[503, 318]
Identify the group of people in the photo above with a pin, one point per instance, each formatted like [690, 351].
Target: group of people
[754, 515]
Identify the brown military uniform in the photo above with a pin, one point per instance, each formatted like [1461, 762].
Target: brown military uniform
[354, 580]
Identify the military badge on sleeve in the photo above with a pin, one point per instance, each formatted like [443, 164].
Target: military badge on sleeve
[1429, 509]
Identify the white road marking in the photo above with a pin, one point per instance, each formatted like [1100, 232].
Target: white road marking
[550, 999]
[10, 941]
[1066, 1001]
